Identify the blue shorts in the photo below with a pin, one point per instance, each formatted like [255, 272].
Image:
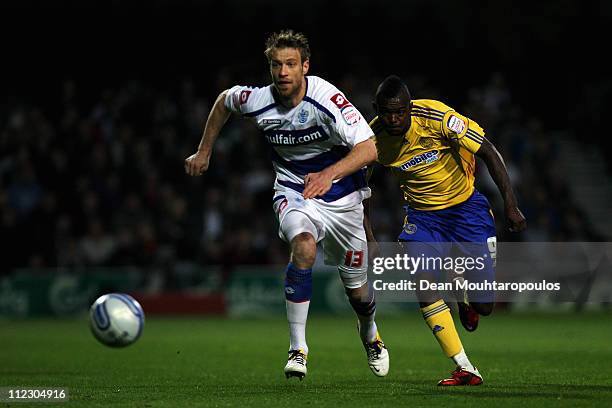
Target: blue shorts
[467, 228]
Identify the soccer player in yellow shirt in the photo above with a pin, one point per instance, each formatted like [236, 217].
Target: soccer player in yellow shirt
[430, 148]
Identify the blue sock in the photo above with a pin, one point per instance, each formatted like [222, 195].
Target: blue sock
[298, 284]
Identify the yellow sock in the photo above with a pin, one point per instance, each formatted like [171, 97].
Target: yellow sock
[439, 319]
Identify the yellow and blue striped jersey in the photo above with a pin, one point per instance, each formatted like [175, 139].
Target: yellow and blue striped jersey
[434, 160]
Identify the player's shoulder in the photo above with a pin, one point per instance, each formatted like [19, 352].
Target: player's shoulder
[326, 94]
[330, 100]
[429, 114]
[442, 118]
[249, 99]
[429, 108]
[318, 88]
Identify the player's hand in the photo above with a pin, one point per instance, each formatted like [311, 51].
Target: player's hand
[515, 219]
[196, 164]
[317, 184]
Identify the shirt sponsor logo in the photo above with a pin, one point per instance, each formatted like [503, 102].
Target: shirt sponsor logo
[424, 158]
[455, 124]
[279, 137]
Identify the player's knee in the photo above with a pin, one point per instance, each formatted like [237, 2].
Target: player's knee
[483, 309]
[355, 280]
[303, 250]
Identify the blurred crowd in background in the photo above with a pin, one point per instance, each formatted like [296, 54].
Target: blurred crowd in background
[100, 181]
[102, 102]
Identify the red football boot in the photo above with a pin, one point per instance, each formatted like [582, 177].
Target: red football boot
[468, 316]
[462, 377]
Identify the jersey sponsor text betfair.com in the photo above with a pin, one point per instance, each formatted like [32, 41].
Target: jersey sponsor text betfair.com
[297, 137]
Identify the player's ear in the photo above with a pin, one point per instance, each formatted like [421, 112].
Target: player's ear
[305, 66]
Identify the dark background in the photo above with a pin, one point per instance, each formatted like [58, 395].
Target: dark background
[100, 103]
[552, 52]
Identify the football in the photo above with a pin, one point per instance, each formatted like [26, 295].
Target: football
[116, 319]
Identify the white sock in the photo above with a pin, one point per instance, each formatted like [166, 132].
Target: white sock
[367, 327]
[462, 361]
[297, 313]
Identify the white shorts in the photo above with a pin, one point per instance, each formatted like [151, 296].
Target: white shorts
[338, 229]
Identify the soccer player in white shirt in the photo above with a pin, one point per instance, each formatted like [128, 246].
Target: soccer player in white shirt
[319, 144]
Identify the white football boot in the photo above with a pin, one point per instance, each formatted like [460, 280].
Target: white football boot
[296, 364]
[378, 356]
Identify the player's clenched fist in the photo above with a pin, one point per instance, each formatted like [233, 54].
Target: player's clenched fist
[196, 164]
[515, 219]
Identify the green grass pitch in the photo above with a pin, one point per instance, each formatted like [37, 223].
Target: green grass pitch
[527, 360]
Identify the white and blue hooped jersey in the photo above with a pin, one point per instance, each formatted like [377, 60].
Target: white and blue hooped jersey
[313, 135]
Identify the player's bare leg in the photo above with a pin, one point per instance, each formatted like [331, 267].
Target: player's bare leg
[363, 302]
[298, 291]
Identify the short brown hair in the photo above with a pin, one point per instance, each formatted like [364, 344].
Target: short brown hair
[288, 39]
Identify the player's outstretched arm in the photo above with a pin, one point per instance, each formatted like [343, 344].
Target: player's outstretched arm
[197, 163]
[316, 184]
[497, 168]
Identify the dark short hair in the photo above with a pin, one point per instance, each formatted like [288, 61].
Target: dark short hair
[392, 87]
[288, 39]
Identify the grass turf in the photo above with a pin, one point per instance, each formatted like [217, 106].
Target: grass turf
[527, 360]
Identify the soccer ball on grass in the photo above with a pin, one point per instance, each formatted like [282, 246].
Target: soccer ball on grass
[116, 319]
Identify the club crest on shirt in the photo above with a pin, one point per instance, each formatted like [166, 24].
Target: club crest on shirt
[426, 142]
[303, 116]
